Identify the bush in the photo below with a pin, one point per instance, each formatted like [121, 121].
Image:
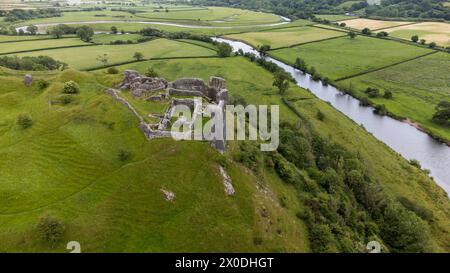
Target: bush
[50, 229]
[42, 84]
[372, 92]
[321, 238]
[112, 70]
[225, 50]
[380, 110]
[387, 94]
[24, 121]
[364, 101]
[71, 87]
[320, 115]
[124, 155]
[66, 99]
[151, 73]
[404, 231]
[249, 155]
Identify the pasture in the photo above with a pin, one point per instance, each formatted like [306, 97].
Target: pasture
[417, 87]
[108, 38]
[285, 36]
[343, 57]
[74, 173]
[361, 23]
[86, 57]
[430, 31]
[5, 48]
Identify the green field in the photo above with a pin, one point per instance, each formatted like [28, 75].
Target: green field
[286, 36]
[69, 169]
[417, 87]
[334, 18]
[39, 44]
[11, 38]
[215, 16]
[108, 38]
[344, 57]
[86, 56]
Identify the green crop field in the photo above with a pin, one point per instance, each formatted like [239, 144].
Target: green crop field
[344, 57]
[417, 87]
[86, 57]
[286, 36]
[39, 44]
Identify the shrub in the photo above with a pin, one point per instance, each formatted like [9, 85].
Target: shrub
[387, 94]
[151, 73]
[364, 101]
[380, 110]
[50, 229]
[24, 121]
[225, 50]
[404, 231]
[112, 70]
[321, 238]
[124, 155]
[66, 99]
[415, 163]
[249, 155]
[42, 84]
[71, 87]
[432, 45]
[320, 115]
[372, 92]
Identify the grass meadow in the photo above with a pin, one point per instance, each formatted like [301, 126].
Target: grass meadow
[86, 57]
[286, 36]
[430, 31]
[5, 48]
[343, 57]
[417, 87]
[361, 23]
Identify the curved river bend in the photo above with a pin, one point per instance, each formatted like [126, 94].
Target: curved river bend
[401, 137]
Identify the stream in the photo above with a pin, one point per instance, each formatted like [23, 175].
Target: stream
[399, 136]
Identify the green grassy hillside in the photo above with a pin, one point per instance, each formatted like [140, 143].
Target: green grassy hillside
[70, 169]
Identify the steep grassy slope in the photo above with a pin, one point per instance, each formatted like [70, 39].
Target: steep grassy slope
[397, 176]
[72, 170]
[67, 166]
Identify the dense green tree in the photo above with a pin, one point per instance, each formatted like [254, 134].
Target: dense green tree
[138, 56]
[351, 34]
[263, 49]
[225, 49]
[114, 30]
[32, 29]
[415, 38]
[85, 33]
[300, 64]
[281, 81]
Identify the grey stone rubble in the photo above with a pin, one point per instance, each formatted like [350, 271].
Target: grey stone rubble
[28, 80]
[168, 195]
[158, 89]
[229, 189]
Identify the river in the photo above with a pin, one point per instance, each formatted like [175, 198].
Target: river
[400, 136]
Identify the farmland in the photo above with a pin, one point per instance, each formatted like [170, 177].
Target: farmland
[286, 36]
[417, 86]
[361, 23]
[343, 57]
[87, 56]
[430, 31]
[72, 153]
[39, 44]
